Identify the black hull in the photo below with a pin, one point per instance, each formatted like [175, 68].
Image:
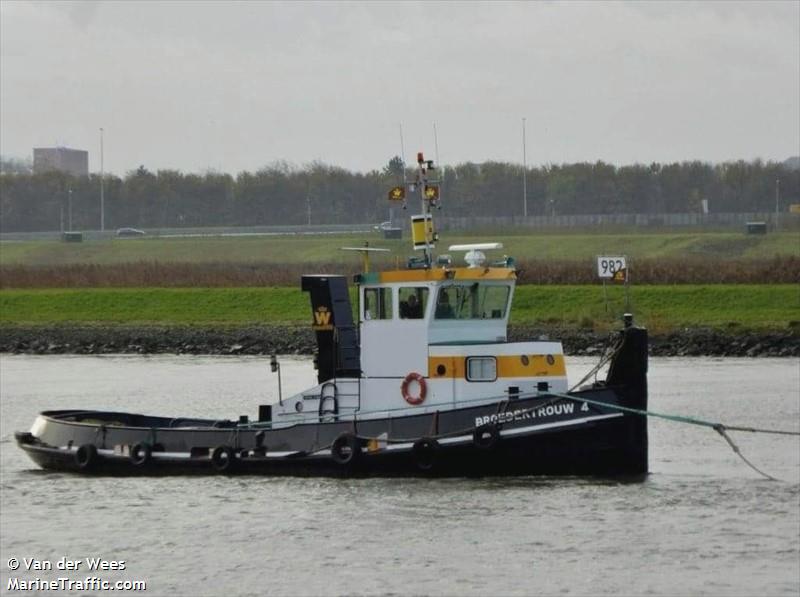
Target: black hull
[582, 433]
[544, 435]
[591, 451]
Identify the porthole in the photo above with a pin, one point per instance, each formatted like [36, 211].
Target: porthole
[551, 360]
[298, 406]
[525, 360]
[441, 370]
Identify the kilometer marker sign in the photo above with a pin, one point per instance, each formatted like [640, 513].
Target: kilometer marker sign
[614, 268]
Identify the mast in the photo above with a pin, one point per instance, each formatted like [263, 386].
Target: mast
[422, 180]
[422, 231]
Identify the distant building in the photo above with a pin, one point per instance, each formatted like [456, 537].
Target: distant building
[61, 159]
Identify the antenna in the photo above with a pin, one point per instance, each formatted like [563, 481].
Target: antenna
[365, 251]
[402, 153]
[439, 164]
[403, 160]
[436, 144]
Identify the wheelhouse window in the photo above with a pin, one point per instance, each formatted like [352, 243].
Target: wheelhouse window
[377, 303]
[481, 369]
[413, 302]
[472, 301]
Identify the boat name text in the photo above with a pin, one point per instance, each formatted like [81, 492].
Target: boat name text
[551, 410]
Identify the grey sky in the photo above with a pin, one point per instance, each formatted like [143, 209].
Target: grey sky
[197, 85]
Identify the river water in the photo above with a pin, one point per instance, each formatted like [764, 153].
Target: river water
[703, 523]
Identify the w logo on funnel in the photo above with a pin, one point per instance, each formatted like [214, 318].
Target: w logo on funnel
[322, 319]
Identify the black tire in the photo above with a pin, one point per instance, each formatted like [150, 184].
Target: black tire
[485, 437]
[86, 457]
[223, 459]
[425, 451]
[141, 454]
[346, 449]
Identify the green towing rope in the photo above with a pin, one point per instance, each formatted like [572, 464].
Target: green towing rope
[718, 427]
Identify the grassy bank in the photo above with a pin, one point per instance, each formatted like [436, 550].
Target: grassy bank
[326, 248]
[662, 308]
[145, 274]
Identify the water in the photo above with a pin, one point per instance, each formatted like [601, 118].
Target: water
[702, 524]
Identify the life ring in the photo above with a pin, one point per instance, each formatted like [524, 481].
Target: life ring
[86, 457]
[486, 436]
[222, 459]
[425, 450]
[346, 449]
[141, 454]
[423, 388]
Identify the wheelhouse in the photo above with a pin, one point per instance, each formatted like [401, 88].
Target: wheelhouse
[450, 305]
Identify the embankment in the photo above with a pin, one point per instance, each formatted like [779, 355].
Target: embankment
[299, 339]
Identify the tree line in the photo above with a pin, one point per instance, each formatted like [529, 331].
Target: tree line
[282, 194]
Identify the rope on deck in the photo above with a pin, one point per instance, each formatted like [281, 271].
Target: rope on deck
[610, 352]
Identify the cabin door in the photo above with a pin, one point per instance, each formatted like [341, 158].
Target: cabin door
[394, 337]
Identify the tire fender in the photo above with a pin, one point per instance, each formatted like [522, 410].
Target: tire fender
[486, 436]
[223, 459]
[346, 449]
[425, 451]
[86, 457]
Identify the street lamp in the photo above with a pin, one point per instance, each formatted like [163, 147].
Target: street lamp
[524, 174]
[102, 198]
[69, 208]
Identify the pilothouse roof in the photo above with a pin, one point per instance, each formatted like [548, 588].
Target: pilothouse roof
[439, 275]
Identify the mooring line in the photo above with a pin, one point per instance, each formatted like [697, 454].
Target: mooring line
[757, 430]
[718, 427]
[721, 430]
[610, 352]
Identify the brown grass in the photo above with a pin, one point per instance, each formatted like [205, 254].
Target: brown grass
[776, 270]
[670, 270]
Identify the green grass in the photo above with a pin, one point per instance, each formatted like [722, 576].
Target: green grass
[305, 249]
[227, 306]
[661, 308]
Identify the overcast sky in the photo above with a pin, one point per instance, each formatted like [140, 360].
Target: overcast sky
[198, 85]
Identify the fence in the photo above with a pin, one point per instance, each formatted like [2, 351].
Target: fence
[676, 220]
[737, 221]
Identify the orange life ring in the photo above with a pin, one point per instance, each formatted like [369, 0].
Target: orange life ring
[423, 388]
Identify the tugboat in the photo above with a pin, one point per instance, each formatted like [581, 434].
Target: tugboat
[419, 379]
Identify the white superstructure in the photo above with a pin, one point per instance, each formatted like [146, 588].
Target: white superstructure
[430, 337]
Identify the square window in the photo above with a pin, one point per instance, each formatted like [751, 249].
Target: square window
[377, 303]
[481, 369]
[413, 302]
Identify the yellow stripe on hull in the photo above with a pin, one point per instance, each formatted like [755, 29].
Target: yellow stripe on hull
[507, 366]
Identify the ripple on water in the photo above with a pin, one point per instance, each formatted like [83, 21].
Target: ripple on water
[702, 523]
